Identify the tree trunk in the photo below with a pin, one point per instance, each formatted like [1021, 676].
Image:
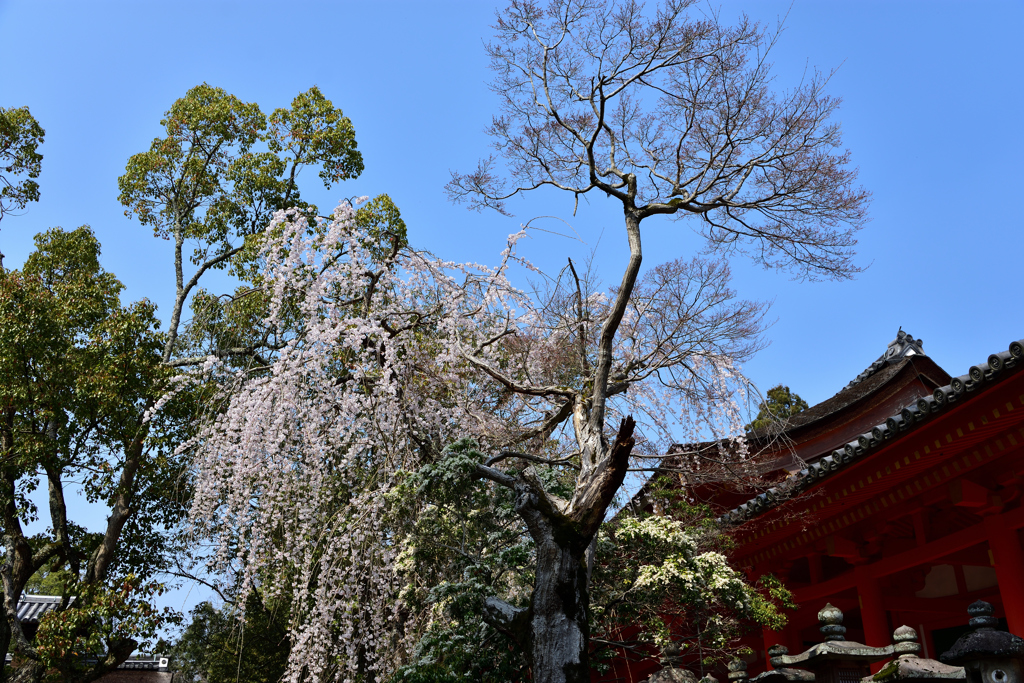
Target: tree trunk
[5, 642]
[29, 671]
[559, 628]
[554, 632]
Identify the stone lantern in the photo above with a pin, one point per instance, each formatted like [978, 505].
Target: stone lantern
[987, 655]
[909, 667]
[837, 660]
[781, 674]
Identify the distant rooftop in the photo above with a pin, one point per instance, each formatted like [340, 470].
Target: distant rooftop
[31, 608]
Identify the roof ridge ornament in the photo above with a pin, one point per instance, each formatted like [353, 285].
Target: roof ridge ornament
[903, 346]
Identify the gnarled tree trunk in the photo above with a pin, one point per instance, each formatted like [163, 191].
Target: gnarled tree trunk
[560, 605]
[554, 631]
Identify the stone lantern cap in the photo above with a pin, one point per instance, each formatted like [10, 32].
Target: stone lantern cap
[784, 675]
[984, 642]
[908, 666]
[779, 675]
[835, 647]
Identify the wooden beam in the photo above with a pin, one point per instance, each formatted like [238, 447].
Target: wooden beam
[965, 493]
[911, 603]
[914, 557]
[837, 546]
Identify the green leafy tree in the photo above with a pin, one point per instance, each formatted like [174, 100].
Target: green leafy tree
[662, 585]
[221, 171]
[20, 160]
[77, 369]
[219, 647]
[464, 543]
[780, 404]
[89, 389]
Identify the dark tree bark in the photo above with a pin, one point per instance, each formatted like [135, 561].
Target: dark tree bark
[554, 631]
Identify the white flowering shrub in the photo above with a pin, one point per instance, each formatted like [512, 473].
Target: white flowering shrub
[662, 582]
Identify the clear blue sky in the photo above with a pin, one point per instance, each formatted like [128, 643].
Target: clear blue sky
[933, 99]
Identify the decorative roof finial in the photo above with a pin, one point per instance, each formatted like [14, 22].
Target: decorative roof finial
[831, 619]
[905, 640]
[981, 616]
[901, 347]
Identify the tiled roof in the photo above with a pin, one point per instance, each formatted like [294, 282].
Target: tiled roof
[32, 607]
[145, 663]
[899, 353]
[978, 378]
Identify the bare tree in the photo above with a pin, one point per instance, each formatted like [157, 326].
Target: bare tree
[670, 114]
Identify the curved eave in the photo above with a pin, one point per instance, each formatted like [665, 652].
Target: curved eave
[977, 380]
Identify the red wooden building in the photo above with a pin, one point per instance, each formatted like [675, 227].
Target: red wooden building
[899, 502]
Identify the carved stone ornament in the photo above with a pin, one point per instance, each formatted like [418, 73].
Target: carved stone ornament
[909, 667]
[672, 675]
[836, 650]
[987, 655]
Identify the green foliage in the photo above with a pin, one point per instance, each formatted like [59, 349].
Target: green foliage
[662, 580]
[464, 543]
[382, 222]
[208, 131]
[660, 583]
[95, 619]
[78, 371]
[59, 320]
[53, 578]
[780, 404]
[87, 393]
[223, 168]
[218, 647]
[20, 160]
[314, 132]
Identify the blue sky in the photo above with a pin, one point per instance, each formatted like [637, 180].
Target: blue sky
[932, 91]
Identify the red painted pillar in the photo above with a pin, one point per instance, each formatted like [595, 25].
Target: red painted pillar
[1008, 559]
[872, 612]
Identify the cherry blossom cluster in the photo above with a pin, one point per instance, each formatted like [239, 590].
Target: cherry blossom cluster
[390, 355]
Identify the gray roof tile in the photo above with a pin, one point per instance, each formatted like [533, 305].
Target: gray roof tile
[32, 607]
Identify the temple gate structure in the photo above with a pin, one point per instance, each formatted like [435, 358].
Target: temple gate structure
[899, 502]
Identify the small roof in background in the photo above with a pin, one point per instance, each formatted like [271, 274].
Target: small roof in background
[31, 608]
